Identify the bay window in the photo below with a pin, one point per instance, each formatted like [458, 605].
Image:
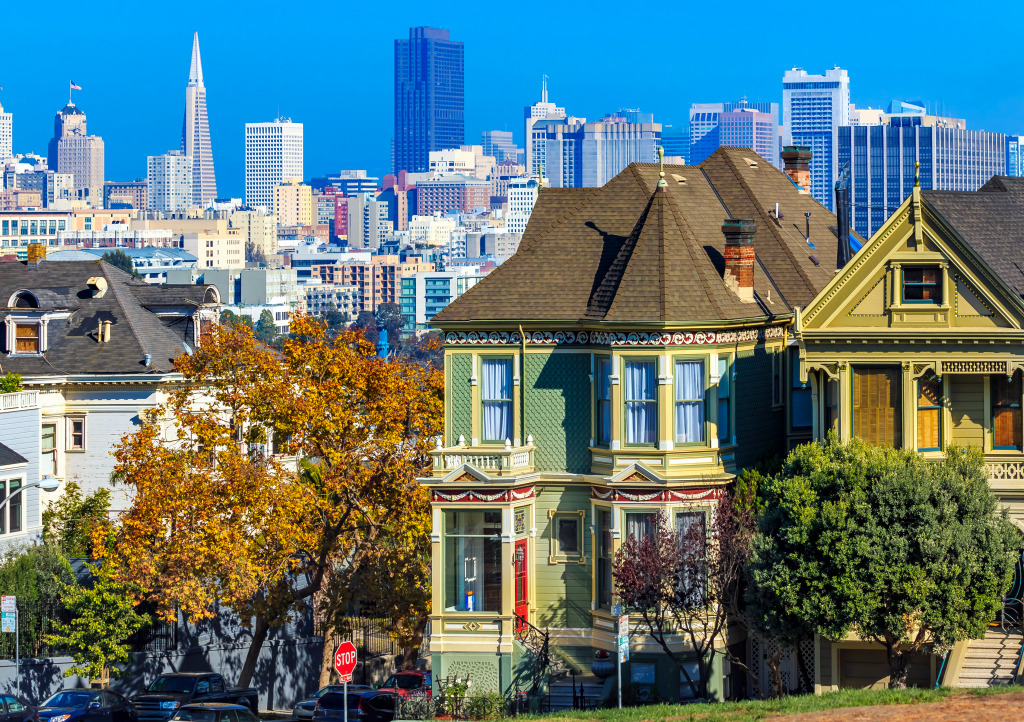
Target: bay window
[496, 400]
[689, 392]
[641, 402]
[472, 561]
[724, 394]
[1006, 412]
[603, 417]
[604, 558]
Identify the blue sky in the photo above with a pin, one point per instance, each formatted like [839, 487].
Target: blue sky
[329, 66]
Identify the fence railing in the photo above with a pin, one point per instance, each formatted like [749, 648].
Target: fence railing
[370, 635]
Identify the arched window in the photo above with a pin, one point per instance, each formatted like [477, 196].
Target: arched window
[23, 299]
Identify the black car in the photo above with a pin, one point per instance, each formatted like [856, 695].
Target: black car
[378, 706]
[12, 709]
[87, 705]
[304, 707]
[215, 712]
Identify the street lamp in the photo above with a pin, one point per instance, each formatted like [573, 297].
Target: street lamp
[47, 483]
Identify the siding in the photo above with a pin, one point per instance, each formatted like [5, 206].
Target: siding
[460, 398]
[558, 410]
[21, 431]
[562, 590]
[967, 408]
[760, 429]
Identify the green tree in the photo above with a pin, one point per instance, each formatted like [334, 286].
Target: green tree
[9, 383]
[266, 331]
[71, 521]
[336, 320]
[229, 318]
[254, 254]
[122, 260]
[33, 574]
[907, 552]
[103, 619]
[389, 318]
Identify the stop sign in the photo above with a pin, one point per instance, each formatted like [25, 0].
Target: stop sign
[345, 660]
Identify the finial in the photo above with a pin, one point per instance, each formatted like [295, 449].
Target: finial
[661, 161]
[917, 174]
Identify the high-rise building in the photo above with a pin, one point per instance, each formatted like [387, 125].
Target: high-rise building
[293, 203]
[195, 133]
[1015, 155]
[813, 106]
[367, 221]
[73, 151]
[429, 97]
[676, 141]
[522, 195]
[273, 153]
[348, 182]
[499, 144]
[587, 155]
[882, 157]
[6, 134]
[536, 141]
[741, 124]
[169, 184]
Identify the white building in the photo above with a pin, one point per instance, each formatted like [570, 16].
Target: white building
[169, 182]
[118, 235]
[431, 230]
[368, 223]
[522, 194]
[536, 144]
[216, 250]
[426, 294]
[273, 153]
[813, 106]
[6, 134]
[321, 296]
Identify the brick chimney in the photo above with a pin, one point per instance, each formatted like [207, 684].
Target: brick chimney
[796, 160]
[739, 257]
[36, 252]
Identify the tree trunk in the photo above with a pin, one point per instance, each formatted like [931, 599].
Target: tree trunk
[899, 664]
[259, 636]
[774, 662]
[327, 660]
[410, 653]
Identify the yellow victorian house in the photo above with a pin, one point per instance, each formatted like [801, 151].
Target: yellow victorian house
[918, 343]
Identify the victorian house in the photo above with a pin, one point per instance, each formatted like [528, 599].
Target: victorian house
[630, 358]
[94, 349]
[919, 343]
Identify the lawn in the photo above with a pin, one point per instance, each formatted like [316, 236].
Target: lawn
[759, 710]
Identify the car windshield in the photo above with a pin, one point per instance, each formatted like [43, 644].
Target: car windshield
[76, 700]
[180, 685]
[197, 715]
[321, 692]
[402, 681]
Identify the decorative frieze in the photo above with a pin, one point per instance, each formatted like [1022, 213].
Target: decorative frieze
[474, 496]
[610, 338]
[659, 495]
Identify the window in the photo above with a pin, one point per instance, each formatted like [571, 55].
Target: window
[641, 403]
[691, 535]
[929, 414]
[496, 398]
[604, 558]
[26, 338]
[724, 393]
[799, 394]
[76, 434]
[876, 405]
[472, 568]
[13, 705]
[14, 507]
[642, 675]
[642, 524]
[686, 689]
[778, 377]
[1006, 415]
[604, 401]
[49, 448]
[922, 284]
[566, 535]
[689, 401]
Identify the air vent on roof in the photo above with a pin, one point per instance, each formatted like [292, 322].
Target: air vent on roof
[679, 179]
[750, 161]
[815, 261]
[98, 286]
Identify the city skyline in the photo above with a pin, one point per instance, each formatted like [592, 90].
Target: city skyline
[246, 86]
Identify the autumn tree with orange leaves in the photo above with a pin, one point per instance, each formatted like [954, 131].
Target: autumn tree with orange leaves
[221, 512]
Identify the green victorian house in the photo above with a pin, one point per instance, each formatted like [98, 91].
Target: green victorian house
[632, 356]
[919, 343]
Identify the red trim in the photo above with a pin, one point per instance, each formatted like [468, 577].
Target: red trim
[600, 493]
[475, 496]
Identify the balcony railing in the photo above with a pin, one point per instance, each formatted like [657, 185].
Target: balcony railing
[494, 461]
[18, 400]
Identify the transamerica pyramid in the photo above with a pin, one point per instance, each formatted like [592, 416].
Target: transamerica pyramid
[195, 133]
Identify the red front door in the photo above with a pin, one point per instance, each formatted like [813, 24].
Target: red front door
[522, 607]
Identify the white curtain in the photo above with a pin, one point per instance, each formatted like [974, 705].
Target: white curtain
[693, 545]
[642, 410]
[469, 568]
[641, 525]
[689, 401]
[496, 393]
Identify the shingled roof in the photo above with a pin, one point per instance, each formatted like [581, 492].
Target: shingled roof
[135, 332]
[991, 220]
[624, 253]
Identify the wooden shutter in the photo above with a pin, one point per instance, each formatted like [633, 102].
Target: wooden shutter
[1006, 412]
[876, 405]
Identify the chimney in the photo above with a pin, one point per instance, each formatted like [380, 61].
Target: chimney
[796, 160]
[739, 257]
[106, 331]
[36, 252]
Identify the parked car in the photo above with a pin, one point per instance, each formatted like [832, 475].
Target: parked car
[304, 708]
[368, 706]
[87, 705]
[409, 683]
[13, 709]
[214, 712]
[378, 706]
[168, 692]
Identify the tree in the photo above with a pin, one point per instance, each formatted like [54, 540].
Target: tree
[122, 260]
[389, 318]
[228, 318]
[907, 552]
[102, 620]
[365, 319]
[266, 331]
[688, 582]
[33, 574]
[336, 320]
[254, 254]
[72, 521]
[216, 518]
[10, 383]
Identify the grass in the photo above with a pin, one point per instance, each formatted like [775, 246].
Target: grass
[761, 709]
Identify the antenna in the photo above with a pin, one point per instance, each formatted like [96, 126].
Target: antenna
[543, 88]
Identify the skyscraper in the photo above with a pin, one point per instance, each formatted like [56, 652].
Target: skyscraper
[499, 145]
[587, 155]
[429, 97]
[195, 133]
[740, 124]
[536, 141]
[813, 106]
[1014, 155]
[273, 154]
[169, 181]
[6, 134]
[72, 150]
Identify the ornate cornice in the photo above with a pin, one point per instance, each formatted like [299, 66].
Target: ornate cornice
[614, 338]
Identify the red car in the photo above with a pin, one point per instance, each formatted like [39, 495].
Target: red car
[409, 684]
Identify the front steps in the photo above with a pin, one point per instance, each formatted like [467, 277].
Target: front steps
[991, 661]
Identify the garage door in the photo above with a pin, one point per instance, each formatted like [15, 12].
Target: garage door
[869, 669]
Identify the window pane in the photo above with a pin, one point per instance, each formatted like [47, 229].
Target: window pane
[876, 405]
[922, 284]
[604, 563]
[1006, 412]
[929, 414]
[496, 395]
[689, 391]
[641, 406]
[604, 403]
[641, 525]
[26, 338]
[472, 574]
[568, 536]
[15, 505]
[724, 386]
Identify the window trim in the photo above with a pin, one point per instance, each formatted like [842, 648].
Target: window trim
[511, 399]
[445, 536]
[706, 368]
[940, 285]
[69, 434]
[626, 360]
[598, 360]
[992, 416]
[730, 376]
[918, 409]
[5, 513]
[554, 555]
[898, 395]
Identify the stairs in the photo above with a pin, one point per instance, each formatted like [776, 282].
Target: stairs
[991, 661]
[561, 692]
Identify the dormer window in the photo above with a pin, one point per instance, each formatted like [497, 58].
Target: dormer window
[922, 284]
[27, 338]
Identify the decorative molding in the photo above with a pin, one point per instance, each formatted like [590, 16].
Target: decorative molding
[643, 495]
[611, 338]
[974, 367]
[473, 496]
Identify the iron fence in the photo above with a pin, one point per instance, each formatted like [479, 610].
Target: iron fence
[370, 635]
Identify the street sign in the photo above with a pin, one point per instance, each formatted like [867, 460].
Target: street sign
[624, 638]
[8, 604]
[345, 660]
[616, 610]
[8, 622]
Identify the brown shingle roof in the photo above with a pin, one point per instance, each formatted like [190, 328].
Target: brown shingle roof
[623, 253]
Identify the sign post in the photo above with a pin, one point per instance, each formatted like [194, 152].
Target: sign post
[623, 650]
[9, 623]
[345, 662]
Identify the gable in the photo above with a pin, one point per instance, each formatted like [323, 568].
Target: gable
[914, 275]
